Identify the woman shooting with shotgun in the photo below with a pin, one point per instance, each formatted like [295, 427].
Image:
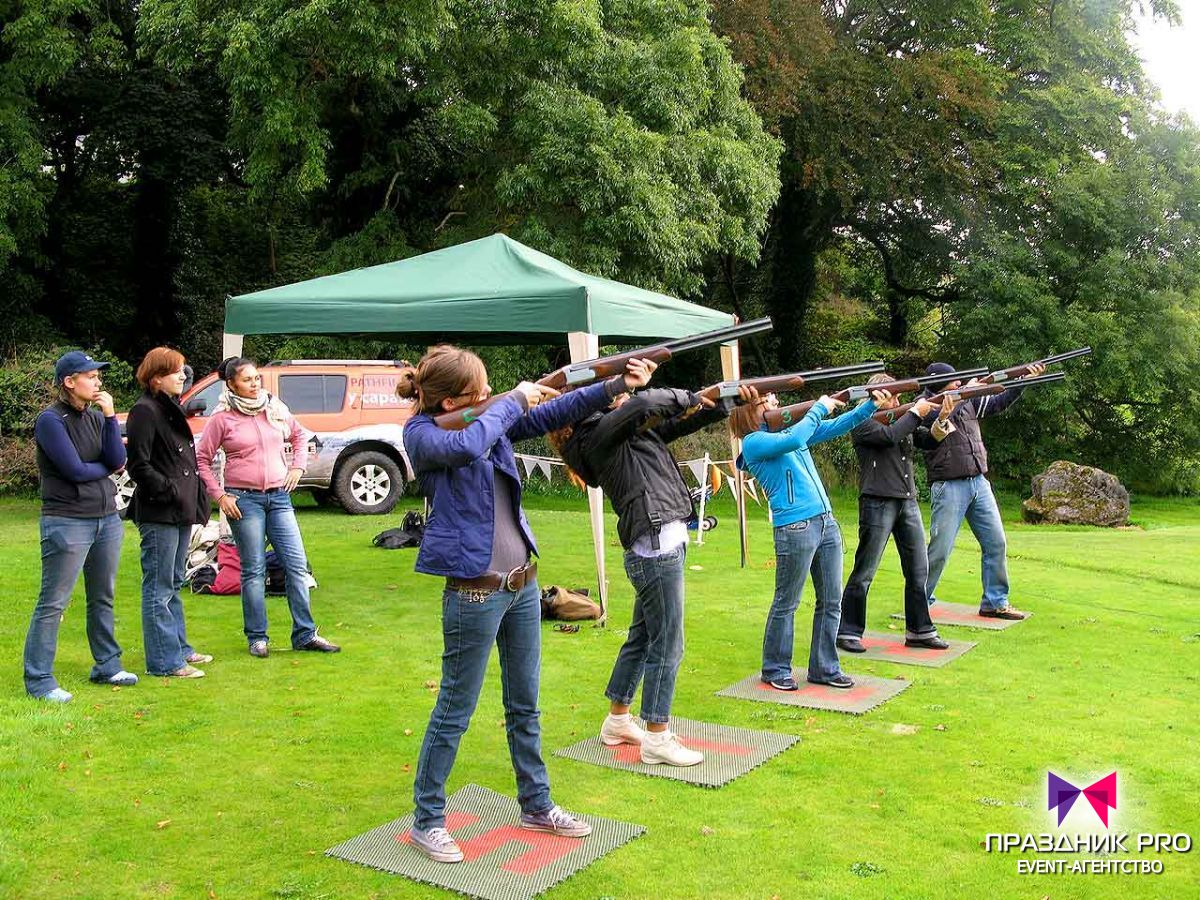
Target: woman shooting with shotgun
[478, 539]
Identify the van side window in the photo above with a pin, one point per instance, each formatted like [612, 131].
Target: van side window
[313, 393]
[210, 395]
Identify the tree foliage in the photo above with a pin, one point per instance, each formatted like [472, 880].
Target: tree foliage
[985, 180]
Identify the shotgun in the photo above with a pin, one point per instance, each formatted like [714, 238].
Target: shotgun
[771, 384]
[778, 419]
[1003, 375]
[581, 373]
[890, 416]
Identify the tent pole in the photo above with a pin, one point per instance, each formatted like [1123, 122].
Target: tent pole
[731, 370]
[587, 346]
[231, 345]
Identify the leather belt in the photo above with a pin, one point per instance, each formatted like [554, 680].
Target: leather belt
[496, 581]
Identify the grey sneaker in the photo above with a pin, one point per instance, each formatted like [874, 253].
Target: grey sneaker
[260, 649]
[58, 695]
[121, 679]
[556, 820]
[437, 844]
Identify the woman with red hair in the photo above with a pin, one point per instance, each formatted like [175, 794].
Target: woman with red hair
[168, 501]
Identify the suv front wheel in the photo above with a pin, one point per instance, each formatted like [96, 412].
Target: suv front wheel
[368, 483]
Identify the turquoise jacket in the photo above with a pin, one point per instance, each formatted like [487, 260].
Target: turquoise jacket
[781, 464]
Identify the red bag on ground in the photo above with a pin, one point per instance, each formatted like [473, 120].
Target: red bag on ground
[229, 569]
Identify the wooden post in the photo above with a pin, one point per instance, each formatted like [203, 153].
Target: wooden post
[731, 369]
[584, 345]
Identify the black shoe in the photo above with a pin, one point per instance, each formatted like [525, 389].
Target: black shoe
[318, 644]
[840, 680]
[851, 645]
[786, 683]
[929, 643]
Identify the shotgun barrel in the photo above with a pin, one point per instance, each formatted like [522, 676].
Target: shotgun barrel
[588, 371]
[1019, 371]
[792, 381]
[889, 416]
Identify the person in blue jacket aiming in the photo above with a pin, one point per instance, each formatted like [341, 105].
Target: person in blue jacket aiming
[807, 537]
[479, 540]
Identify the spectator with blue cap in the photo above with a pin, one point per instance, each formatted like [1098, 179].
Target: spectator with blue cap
[78, 447]
[956, 461]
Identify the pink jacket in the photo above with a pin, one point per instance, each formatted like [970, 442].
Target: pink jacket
[253, 448]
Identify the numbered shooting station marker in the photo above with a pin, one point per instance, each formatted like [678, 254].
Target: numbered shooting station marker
[889, 647]
[728, 752]
[965, 615]
[502, 860]
[867, 693]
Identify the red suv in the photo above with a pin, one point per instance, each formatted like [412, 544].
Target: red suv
[356, 457]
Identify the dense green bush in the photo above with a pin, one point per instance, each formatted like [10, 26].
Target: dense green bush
[27, 384]
[18, 466]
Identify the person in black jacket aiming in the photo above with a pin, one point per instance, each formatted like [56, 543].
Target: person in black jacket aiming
[624, 451]
[956, 461]
[887, 507]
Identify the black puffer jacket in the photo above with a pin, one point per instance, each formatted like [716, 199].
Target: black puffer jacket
[961, 454]
[162, 463]
[885, 457]
[624, 452]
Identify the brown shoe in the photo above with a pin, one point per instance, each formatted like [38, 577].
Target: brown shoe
[318, 644]
[1004, 612]
[929, 643]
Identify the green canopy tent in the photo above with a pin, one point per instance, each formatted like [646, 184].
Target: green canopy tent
[491, 290]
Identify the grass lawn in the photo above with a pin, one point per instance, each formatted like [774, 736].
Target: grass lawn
[233, 786]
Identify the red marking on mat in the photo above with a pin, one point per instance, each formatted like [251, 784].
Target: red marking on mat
[544, 848]
[632, 753]
[893, 647]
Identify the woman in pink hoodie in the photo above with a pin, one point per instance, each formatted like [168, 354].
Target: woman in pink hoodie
[252, 428]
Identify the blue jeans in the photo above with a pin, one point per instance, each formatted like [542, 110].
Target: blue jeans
[812, 545]
[69, 546]
[878, 519]
[164, 561]
[969, 498]
[470, 628]
[270, 515]
[653, 650]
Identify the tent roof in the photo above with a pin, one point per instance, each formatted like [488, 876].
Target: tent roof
[493, 288]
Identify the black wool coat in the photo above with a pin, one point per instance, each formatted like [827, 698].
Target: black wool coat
[162, 463]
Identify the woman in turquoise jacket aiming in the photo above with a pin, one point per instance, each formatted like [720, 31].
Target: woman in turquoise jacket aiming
[807, 537]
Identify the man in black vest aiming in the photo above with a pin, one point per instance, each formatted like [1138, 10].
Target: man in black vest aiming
[956, 461]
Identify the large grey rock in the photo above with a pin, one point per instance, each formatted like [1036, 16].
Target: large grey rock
[1069, 494]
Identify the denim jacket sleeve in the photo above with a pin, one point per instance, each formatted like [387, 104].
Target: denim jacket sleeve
[827, 431]
[430, 447]
[562, 411]
[764, 445]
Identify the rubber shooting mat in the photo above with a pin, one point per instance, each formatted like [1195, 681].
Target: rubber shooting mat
[728, 752]
[503, 861]
[890, 648]
[868, 692]
[963, 614]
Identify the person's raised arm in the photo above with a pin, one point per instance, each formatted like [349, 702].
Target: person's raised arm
[875, 434]
[51, 434]
[579, 404]
[846, 422]
[764, 445]
[430, 447]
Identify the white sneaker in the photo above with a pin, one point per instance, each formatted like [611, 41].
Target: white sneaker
[121, 679]
[621, 730]
[664, 747]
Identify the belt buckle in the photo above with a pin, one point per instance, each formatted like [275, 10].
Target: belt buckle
[508, 579]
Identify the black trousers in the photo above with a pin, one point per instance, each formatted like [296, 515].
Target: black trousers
[878, 519]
